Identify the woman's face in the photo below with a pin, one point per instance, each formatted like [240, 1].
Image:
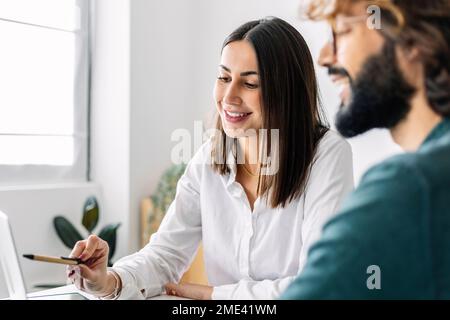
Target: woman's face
[237, 91]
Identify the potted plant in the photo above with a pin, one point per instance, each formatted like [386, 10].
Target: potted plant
[69, 235]
[156, 205]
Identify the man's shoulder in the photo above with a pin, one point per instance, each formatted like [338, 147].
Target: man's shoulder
[401, 167]
[390, 191]
[425, 168]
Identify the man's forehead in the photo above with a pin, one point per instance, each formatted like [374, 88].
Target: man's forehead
[351, 8]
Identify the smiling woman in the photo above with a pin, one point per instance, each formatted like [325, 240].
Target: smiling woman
[268, 81]
[256, 225]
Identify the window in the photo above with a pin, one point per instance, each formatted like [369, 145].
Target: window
[44, 89]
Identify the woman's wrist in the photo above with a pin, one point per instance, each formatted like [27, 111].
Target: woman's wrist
[112, 286]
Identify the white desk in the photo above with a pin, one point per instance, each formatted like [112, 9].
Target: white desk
[69, 293]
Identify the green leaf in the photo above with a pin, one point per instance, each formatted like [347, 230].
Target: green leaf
[90, 214]
[109, 234]
[66, 232]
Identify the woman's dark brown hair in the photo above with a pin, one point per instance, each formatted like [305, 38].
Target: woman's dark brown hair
[289, 103]
[423, 24]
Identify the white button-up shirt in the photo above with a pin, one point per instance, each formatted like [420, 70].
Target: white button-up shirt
[247, 255]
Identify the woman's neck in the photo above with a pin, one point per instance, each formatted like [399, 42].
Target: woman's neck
[248, 153]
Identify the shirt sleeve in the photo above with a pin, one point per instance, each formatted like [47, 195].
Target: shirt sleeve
[252, 290]
[330, 180]
[171, 249]
[379, 226]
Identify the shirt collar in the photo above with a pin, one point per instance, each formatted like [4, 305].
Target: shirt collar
[231, 162]
[438, 132]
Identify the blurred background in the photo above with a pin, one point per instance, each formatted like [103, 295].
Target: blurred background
[90, 94]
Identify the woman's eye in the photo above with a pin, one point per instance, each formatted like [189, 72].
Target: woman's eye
[223, 79]
[251, 85]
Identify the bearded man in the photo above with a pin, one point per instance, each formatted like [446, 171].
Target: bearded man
[391, 239]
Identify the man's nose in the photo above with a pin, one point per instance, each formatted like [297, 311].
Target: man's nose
[327, 56]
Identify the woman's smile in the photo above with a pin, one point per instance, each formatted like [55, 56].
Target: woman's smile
[236, 117]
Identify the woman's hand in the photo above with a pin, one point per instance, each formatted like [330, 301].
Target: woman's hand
[91, 276]
[191, 291]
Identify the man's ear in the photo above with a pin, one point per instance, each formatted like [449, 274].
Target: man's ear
[411, 54]
[410, 63]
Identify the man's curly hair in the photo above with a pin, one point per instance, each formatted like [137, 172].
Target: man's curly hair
[424, 24]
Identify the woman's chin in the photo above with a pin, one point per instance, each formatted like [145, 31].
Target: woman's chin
[234, 133]
[239, 132]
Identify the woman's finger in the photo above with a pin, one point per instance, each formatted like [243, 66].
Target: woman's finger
[93, 263]
[69, 270]
[171, 289]
[91, 246]
[76, 279]
[182, 290]
[191, 291]
[86, 273]
[99, 253]
[78, 249]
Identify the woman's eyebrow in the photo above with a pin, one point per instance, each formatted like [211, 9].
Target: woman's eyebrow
[225, 68]
[248, 73]
[243, 74]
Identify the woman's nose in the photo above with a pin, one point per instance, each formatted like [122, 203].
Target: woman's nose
[327, 56]
[232, 95]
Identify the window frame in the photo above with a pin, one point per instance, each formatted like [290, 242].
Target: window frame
[79, 171]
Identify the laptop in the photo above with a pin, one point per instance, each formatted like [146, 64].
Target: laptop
[13, 272]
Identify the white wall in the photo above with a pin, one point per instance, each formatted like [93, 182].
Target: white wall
[110, 109]
[161, 91]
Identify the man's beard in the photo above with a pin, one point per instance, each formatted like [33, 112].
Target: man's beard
[380, 95]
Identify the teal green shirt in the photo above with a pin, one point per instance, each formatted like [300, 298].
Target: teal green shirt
[398, 219]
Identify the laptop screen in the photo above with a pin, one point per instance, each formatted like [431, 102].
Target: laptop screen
[9, 261]
[13, 273]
